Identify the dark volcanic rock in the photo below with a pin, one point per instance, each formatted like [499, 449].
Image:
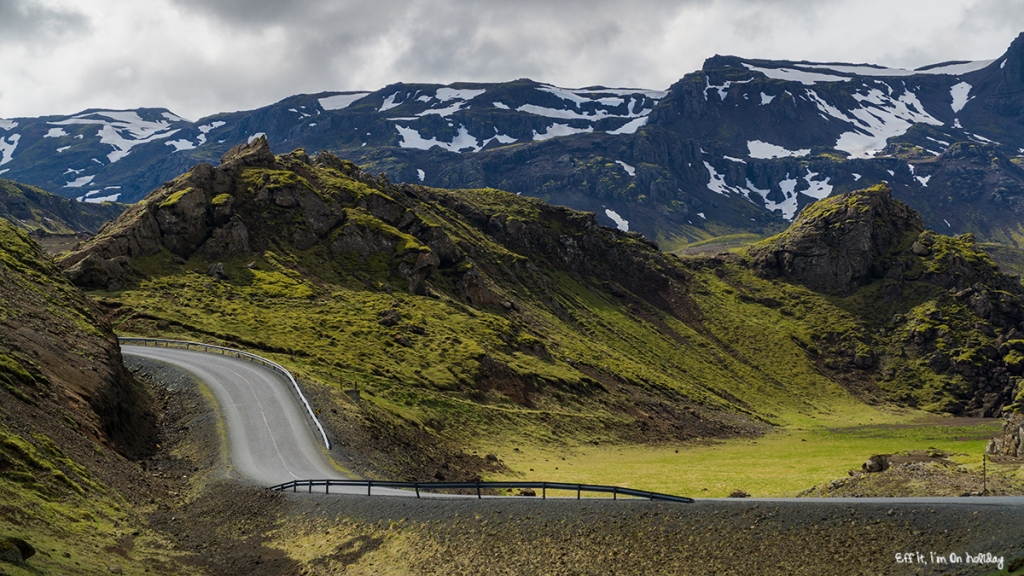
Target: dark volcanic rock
[835, 245]
[1011, 441]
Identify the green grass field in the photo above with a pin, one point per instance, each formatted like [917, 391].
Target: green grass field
[779, 464]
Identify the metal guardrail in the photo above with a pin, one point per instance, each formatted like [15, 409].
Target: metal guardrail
[157, 342]
[615, 491]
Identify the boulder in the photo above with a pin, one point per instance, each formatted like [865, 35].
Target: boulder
[10, 553]
[1011, 441]
[876, 463]
[390, 317]
[26, 549]
[217, 271]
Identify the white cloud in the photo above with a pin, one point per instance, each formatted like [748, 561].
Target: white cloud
[197, 57]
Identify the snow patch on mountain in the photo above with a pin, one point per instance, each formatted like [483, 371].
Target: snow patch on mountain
[817, 189]
[584, 95]
[446, 94]
[389, 103]
[788, 206]
[443, 112]
[8, 124]
[255, 136]
[341, 101]
[764, 150]
[793, 71]
[7, 146]
[879, 118]
[723, 90]
[79, 182]
[412, 139]
[957, 68]
[717, 182]
[180, 145]
[861, 69]
[500, 105]
[421, 174]
[55, 133]
[959, 93]
[766, 99]
[620, 222]
[794, 75]
[207, 128]
[123, 130]
[630, 127]
[557, 129]
[629, 169]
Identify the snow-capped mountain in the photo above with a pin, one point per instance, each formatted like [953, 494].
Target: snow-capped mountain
[740, 145]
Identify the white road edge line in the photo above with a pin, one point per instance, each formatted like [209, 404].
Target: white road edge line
[245, 356]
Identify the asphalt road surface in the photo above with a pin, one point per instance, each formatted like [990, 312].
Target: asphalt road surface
[270, 438]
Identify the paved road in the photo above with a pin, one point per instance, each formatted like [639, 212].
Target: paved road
[270, 439]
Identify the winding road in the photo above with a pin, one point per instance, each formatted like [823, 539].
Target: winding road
[269, 437]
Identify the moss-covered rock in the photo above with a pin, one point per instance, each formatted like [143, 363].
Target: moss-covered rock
[835, 244]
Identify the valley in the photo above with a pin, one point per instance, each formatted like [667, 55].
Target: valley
[775, 279]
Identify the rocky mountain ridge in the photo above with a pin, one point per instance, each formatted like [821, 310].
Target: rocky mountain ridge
[34, 210]
[739, 146]
[883, 306]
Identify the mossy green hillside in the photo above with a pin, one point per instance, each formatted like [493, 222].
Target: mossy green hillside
[474, 315]
[54, 503]
[535, 319]
[933, 315]
[34, 210]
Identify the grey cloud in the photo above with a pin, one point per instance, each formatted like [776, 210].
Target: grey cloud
[22, 21]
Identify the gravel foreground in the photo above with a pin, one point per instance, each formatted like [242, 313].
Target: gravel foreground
[520, 536]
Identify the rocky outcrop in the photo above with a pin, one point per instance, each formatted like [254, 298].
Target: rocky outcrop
[837, 244]
[1011, 441]
[951, 308]
[252, 201]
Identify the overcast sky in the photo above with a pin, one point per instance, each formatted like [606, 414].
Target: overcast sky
[198, 57]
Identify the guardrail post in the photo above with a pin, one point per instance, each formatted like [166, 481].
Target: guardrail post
[310, 486]
[417, 489]
[579, 491]
[544, 491]
[327, 487]
[295, 487]
[615, 493]
[369, 484]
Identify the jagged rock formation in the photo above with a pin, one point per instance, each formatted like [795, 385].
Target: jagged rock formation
[249, 202]
[837, 246]
[1011, 441]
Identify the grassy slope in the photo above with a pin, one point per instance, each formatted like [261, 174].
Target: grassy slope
[748, 347]
[35, 210]
[50, 492]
